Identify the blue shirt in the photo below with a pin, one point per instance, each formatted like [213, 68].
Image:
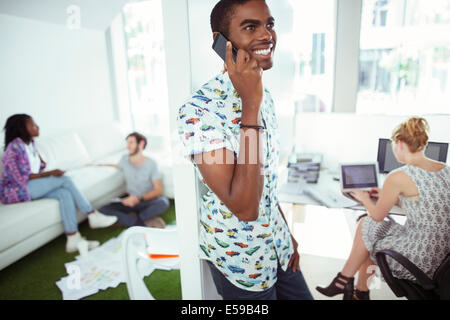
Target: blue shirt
[245, 252]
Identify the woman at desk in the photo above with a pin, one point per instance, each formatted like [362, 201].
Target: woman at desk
[422, 189]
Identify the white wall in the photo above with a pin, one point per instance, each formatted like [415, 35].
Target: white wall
[58, 76]
[348, 137]
[207, 64]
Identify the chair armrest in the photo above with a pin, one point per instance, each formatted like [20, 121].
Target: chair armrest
[423, 280]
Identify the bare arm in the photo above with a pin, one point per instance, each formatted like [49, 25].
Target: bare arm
[106, 165]
[56, 173]
[389, 197]
[239, 182]
[156, 192]
[236, 182]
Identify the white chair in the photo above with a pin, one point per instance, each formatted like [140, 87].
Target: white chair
[132, 257]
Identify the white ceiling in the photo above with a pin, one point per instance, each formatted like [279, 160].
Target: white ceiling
[94, 14]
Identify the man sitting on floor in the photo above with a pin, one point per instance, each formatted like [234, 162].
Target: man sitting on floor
[144, 185]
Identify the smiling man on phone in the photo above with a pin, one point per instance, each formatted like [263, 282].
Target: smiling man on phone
[229, 131]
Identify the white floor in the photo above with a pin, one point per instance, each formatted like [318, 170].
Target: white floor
[325, 238]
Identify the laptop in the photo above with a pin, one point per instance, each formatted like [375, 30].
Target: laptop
[358, 176]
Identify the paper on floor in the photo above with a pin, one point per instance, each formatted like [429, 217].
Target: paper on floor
[102, 267]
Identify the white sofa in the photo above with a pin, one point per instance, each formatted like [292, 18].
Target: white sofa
[25, 227]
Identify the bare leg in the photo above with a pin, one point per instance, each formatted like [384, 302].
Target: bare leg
[343, 282]
[358, 255]
[364, 275]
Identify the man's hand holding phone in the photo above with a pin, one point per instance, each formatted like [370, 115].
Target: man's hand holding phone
[246, 76]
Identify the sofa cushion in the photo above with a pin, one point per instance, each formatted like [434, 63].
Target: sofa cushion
[21, 220]
[103, 139]
[63, 152]
[95, 182]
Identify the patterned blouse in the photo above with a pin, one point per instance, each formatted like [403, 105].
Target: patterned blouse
[246, 253]
[13, 184]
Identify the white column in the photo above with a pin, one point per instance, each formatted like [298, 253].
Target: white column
[178, 64]
[348, 26]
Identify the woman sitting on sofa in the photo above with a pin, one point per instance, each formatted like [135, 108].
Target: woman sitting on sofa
[24, 179]
[422, 188]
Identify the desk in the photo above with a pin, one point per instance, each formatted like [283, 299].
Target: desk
[325, 182]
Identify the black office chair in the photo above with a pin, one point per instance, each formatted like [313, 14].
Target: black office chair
[425, 288]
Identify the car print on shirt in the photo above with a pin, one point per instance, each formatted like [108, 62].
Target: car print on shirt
[192, 121]
[218, 230]
[248, 228]
[235, 269]
[205, 250]
[242, 245]
[252, 251]
[189, 135]
[232, 253]
[219, 263]
[263, 235]
[245, 283]
[206, 127]
[221, 243]
[207, 227]
[236, 121]
[255, 275]
[232, 233]
[221, 116]
[226, 215]
[278, 243]
[202, 98]
[221, 94]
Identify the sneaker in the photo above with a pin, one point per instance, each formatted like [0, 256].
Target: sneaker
[155, 222]
[73, 243]
[99, 220]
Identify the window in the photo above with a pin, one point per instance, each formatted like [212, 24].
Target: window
[318, 50]
[147, 83]
[380, 13]
[404, 57]
[312, 46]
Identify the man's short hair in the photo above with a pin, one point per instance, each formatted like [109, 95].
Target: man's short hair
[139, 137]
[221, 15]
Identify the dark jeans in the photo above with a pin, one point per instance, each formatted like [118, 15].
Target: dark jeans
[145, 210]
[289, 286]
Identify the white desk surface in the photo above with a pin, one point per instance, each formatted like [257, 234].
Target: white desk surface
[326, 181]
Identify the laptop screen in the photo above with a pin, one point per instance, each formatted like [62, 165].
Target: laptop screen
[359, 176]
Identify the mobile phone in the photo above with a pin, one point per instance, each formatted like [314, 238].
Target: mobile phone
[220, 46]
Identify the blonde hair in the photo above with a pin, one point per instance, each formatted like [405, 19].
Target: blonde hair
[413, 132]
